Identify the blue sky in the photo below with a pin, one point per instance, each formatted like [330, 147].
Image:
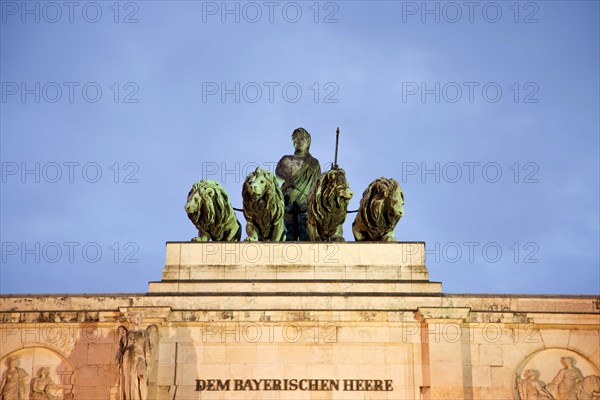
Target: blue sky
[488, 117]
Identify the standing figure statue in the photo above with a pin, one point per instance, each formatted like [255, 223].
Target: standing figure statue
[135, 358]
[566, 383]
[299, 172]
[13, 382]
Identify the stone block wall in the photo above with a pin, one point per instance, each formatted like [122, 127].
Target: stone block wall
[241, 330]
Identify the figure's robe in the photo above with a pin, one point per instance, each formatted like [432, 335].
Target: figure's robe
[13, 388]
[297, 184]
[567, 381]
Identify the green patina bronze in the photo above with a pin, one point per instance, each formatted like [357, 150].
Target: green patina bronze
[299, 172]
[381, 207]
[308, 206]
[210, 211]
[327, 206]
[263, 207]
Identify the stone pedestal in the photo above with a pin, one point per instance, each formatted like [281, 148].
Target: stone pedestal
[305, 321]
[296, 270]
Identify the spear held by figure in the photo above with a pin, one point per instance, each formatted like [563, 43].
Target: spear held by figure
[337, 141]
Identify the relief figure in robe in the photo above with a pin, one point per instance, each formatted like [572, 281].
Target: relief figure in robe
[566, 383]
[12, 385]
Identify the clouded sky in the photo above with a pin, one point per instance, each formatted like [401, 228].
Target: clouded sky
[485, 112]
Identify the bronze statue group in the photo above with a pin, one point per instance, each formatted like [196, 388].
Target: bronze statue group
[309, 205]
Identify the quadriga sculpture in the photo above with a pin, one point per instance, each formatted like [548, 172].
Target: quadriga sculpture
[327, 206]
[263, 207]
[209, 209]
[381, 207]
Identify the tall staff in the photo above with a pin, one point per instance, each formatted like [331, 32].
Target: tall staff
[337, 141]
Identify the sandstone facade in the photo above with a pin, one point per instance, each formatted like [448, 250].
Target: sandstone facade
[305, 321]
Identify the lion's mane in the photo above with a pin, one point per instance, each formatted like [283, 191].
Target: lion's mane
[381, 207]
[327, 205]
[210, 211]
[265, 212]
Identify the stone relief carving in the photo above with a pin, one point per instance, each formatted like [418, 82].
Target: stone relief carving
[565, 383]
[14, 380]
[299, 172]
[589, 389]
[210, 211]
[381, 207]
[263, 207]
[44, 388]
[135, 358]
[52, 375]
[568, 383]
[530, 388]
[327, 206]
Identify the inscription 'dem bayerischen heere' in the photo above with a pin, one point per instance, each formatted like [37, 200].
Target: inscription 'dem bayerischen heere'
[353, 385]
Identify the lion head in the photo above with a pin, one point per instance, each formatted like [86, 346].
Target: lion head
[211, 213]
[381, 207]
[263, 206]
[327, 206]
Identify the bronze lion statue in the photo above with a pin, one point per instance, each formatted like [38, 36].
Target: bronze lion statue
[381, 207]
[211, 213]
[263, 207]
[327, 206]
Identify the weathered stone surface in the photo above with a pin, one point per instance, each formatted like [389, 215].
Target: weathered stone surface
[372, 314]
